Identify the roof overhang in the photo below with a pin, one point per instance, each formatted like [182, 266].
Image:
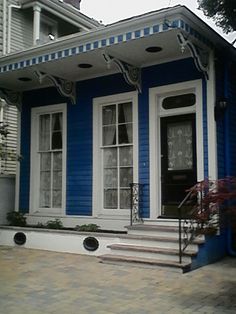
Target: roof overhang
[126, 40]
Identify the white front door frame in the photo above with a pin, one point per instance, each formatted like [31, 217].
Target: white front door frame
[156, 95]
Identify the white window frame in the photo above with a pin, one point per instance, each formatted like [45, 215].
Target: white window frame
[35, 160]
[98, 104]
[156, 96]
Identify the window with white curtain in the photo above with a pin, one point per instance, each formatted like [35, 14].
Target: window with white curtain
[48, 158]
[117, 154]
[50, 151]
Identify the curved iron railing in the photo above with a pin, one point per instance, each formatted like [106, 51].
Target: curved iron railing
[136, 190]
[189, 226]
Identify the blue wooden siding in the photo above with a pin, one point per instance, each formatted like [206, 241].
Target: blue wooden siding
[226, 126]
[230, 119]
[220, 121]
[79, 130]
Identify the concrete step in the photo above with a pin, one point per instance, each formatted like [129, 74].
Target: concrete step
[159, 253]
[156, 230]
[121, 259]
[157, 241]
[162, 222]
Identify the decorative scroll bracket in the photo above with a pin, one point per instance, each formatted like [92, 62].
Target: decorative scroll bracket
[200, 57]
[12, 98]
[64, 87]
[131, 74]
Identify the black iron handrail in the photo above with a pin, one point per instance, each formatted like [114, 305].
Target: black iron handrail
[136, 190]
[189, 226]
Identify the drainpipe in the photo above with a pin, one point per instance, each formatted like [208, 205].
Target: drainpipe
[36, 29]
[230, 249]
[10, 7]
[4, 27]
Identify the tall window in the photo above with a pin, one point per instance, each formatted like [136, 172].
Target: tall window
[117, 151]
[48, 164]
[50, 151]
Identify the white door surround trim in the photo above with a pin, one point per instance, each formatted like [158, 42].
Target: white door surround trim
[156, 94]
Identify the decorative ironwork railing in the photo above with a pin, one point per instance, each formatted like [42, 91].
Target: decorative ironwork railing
[136, 191]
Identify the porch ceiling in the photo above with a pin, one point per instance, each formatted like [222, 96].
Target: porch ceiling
[133, 52]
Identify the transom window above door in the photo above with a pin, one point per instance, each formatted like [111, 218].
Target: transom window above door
[179, 101]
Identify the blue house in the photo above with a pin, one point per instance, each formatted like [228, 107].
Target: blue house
[147, 100]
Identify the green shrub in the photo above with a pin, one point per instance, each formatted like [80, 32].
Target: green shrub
[54, 224]
[16, 219]
[87, 228]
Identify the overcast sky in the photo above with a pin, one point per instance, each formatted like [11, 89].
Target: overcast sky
[109, 11]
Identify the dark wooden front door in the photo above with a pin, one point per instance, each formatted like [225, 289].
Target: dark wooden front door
[178, 161]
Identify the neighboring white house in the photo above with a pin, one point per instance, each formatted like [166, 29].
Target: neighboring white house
[25, 24]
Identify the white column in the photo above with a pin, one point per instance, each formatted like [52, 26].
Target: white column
[36, 29]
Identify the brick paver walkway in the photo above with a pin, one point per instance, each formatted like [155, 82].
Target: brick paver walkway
[33, 282]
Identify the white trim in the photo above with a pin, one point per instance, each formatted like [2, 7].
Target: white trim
[211, 124]
[156, 94]
[36, 23]
[18, 150]
[34, 169]
[97, 171]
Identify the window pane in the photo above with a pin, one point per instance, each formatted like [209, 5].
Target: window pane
[179, 101]
[45, 187]
[45, 162]
[57, 131]
[125, 134]
[57, 161]
[56, 199]
[126, 156]
[57, 121]
[125, 199]
[110, 199]
[44, 132]
[109, 115]
[125, 113]
[45, 180]
[57, 180]
[45, 200]
[110, 178]
[180, 147]
[109, 135]
[110, 157]
[126, 177]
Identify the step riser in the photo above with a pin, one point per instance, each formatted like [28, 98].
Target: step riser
[161, 244]
[164, 222]
[159, 256]
[155, 233]
[142, 265]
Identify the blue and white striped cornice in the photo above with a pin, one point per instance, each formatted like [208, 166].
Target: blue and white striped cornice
[103, 43]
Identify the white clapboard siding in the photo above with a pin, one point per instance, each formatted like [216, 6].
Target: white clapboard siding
[1, 28]
[10, 117]
[21, 30]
